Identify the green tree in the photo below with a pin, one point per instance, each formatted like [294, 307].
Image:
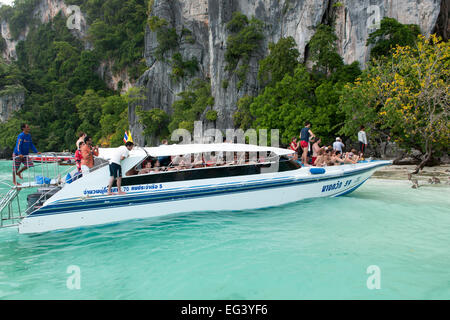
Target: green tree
[246, 36]
[286, 106]
[154, 121]
[282, 60]
[406, 97]
[89, 110]
[191, 105]
[114, 120]
[390, 34]
[323, 51]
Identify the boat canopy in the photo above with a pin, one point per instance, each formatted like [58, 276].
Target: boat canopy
[184, 149]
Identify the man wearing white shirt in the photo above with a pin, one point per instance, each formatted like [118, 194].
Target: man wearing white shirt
[338, 145]
[362, 138]
[115, 168]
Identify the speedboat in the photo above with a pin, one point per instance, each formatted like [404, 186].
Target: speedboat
[170, 179]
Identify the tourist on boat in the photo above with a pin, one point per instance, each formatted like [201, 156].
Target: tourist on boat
[362, 138]
[315, 147]
[198, 160]
[321, 158]
[157, 167]
[351, 157]
[294, 146]
[305, 135]
[88, 152]
[78, 156]
[338, 145]
[115, 167]
[164, 160]
[21, 151]
[336, 158]
[81, 137]
[146, 168]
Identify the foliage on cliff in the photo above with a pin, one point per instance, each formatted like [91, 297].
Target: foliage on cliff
[64, 91]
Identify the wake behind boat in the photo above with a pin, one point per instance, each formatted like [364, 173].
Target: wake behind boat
[197, 177]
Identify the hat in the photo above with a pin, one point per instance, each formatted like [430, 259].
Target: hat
[338, 139]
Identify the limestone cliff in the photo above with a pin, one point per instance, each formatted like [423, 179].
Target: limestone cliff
[354, 20]
[11, 99]
[44, 12]
[206, 21]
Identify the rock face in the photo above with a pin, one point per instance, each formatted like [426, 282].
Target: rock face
[10, 102]
[354, 21]
[45, 11]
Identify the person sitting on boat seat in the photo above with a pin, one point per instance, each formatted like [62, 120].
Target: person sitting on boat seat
[240, 158]
[351, 157]
[220, 159]
[146, 168]
[212, 161]
[320, 160]
[157, 167]
[115, 168]
[336, 158]
[198, 160]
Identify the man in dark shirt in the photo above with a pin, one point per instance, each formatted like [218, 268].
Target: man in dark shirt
[21, 151]
[305, 135]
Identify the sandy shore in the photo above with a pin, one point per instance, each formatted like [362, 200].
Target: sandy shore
[399, 172]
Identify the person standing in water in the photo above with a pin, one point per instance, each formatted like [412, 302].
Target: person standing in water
[115, 167]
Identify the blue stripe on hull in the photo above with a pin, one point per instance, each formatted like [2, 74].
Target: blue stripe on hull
[108, 202]
[351, 190]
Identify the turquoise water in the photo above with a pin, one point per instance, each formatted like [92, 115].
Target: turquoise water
[317, 249]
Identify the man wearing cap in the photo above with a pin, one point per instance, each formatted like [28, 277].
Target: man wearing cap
[338, 145]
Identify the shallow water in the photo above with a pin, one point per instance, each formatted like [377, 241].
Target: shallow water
[315, 249]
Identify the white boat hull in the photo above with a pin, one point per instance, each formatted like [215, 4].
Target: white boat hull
[226, 195]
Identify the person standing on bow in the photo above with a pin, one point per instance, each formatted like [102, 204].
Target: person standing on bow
[305, 135]
[21, 151]
[115, 167]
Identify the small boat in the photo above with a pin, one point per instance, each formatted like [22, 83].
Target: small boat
[191, 178]
[60, 158]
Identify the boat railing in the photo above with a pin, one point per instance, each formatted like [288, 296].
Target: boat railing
[44, 170]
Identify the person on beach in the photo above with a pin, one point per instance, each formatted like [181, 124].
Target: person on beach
[88, 152]
[21, 151]
[115, 167]
[362, 138]
[305, 135]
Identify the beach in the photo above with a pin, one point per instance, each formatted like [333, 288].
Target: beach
[400, 172]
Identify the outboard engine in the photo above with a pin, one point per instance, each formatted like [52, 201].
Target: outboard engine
[45, 193]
